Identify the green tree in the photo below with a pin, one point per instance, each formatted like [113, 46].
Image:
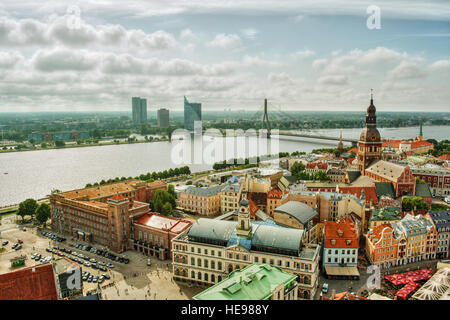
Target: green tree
[171, 190]
[160, 198]
[420, 181]
[418, 203]
[43, 213]
[27, 208]
[407, 204]
[59, 143]
[188, 183]
[297, 167]
[167, 209]
[321, 175]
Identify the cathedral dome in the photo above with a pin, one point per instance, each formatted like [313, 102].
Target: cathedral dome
[370, 134]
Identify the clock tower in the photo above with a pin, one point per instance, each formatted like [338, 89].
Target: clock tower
[369, 145]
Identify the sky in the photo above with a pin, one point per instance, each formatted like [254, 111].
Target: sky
[62, 55]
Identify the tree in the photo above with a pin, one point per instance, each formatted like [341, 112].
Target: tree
[188, 183]
[160, 198]
[59, 143]
[407, 204]
[167, 209]
[297, 167]
[43, 213]
[171, 190]
[27, 208]
[420, 181]
[321, 175]
[418, 203]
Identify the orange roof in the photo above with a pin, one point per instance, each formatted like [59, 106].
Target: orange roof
[355, 150]
[375, 233]
[418, 144]
[369, 192]
[343, 232]
[157, 183]
[394, 143]
[117, 197]
[274, 194]
[253, 208]
[101, 191]
[350, 160]
[158, 221]
[36, 283]
[320, 165]
[445, 157]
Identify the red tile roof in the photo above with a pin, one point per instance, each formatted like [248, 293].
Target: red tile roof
[253, 208]
[355, 150]
[158, 221]
[369, 192]
[274, 194]
[376, 233]
[36, 283]
[319, 165]
[445, 157]
[118, 197]
[347, 228]
[423, 143]
[414, 144]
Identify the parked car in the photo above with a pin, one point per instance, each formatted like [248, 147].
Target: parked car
[95, 280]
[110, 265]
[15, 246]
[101, 279]
[19, 246]
[126, 260]
[325, 288]
[106, 276]
[93, 260]
[90, 278]
[20, 241]
[103, 268]
[48, 249]
[4, 243]
[149, 262]
[87, 264]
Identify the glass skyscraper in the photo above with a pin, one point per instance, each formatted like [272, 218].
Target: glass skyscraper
[139, 110]
[192, 112]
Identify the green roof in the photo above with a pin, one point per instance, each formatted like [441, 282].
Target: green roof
[353, 175]
[384, 188]
[386, 214]
[423, 190]
[254, 282]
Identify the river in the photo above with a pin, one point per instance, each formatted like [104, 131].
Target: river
[33, 174]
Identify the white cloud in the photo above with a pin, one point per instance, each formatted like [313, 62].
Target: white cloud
[250, 33]
[10, 59]
[304, 54]
[225, 41]
[406, 70]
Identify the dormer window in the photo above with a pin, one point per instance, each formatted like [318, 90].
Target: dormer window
[333, 242]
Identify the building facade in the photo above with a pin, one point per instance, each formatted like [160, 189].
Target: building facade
[441, 221]
[163, 118]
[139, 110]
[437, 178]
[192, 113]
[153, 234]
[212, 249]
[204, 201]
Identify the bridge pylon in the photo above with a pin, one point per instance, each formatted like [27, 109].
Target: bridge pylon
[265, 120]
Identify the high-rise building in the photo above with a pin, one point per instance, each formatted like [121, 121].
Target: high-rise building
[163, 118]
[139, 110]
[192, 113]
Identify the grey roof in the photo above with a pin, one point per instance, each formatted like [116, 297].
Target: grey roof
[441, 220]
[264, 235]
[235, 187]
[208, 191]
[212, 229]
[300, 211]
[272, 237]
[386, 169]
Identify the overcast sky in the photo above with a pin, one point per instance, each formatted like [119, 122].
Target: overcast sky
[301, 55]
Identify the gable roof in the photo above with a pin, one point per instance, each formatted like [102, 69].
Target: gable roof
[369, 192]
[341, 234]
[385, 169]
[36, 283]
[353, 175]
[384, 188]
[423, 190]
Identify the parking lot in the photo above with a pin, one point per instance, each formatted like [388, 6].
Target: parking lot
[135, 280]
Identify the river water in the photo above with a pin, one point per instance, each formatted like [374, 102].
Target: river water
[35, 173]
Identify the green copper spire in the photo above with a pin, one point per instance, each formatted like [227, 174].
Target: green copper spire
[421, 133]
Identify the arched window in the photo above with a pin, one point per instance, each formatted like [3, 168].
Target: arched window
[305, 294]
[306, 280]
[184, 259]
[177, 272]
[199, 276]
[219, 278]
[206, 277]
[184, 273]
[192, 274]
[213, 278]
[230, 268]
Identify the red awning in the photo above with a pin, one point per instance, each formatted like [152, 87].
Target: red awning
[406, 290]
[407, 277]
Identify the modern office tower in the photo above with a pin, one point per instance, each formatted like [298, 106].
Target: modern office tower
[192, 113]
[139, 110]
[163, 118]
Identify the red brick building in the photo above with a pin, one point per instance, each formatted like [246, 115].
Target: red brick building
[153, 234]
